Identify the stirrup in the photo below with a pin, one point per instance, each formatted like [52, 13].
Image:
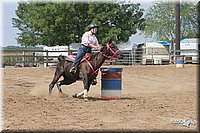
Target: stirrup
[72, 70]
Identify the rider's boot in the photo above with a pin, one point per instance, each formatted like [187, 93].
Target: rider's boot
[74, 69]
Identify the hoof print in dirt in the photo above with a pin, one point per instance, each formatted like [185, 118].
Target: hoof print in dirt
[63, 95]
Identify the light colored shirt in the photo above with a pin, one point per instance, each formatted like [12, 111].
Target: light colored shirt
[88, 38]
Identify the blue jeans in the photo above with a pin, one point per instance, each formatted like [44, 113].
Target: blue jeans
[81, 53]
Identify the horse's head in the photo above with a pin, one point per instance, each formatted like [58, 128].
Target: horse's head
[111, 51]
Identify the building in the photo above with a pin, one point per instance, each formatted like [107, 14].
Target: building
[189, 48]
[153, 53]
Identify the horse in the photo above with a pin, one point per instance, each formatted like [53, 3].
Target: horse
[87, 70]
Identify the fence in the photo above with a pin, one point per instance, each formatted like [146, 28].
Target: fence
[131, 57]
[28, 57]
[159, 56]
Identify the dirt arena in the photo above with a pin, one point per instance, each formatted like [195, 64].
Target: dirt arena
[156, 97]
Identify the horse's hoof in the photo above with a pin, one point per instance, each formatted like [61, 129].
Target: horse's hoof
[86, 99]
[50, 89]
[50, 92]
[75, 96]
[94, 83]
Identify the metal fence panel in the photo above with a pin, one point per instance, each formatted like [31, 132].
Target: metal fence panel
[131, 57]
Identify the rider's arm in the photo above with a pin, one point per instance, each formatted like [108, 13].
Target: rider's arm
[97, 47]
[95, 44]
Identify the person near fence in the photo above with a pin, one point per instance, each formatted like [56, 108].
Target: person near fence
[89, 41]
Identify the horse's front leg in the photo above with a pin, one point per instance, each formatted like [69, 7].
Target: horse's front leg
[86, 87]
[84, 93]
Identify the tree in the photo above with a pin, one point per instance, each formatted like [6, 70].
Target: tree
[63, 23]
[160, 20]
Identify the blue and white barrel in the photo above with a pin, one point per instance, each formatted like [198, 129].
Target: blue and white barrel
[111, 82]
[179, 61]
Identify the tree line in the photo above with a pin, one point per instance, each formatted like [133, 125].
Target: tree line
[160, 21]
[62, 23]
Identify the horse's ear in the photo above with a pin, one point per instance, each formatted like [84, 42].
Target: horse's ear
[110, 41]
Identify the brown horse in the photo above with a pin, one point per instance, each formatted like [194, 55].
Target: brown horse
[86, 70]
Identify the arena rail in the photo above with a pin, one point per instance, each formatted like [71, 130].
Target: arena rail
[36, 58]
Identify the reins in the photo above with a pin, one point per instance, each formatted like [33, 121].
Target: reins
[93, 71]
[113, 52]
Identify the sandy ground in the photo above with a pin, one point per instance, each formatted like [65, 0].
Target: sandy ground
[154, 98]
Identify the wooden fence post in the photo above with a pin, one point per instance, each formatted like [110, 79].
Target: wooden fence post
[23, 58]
[47, 59]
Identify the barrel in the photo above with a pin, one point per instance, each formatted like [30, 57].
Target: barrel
[111, 82]
[179, 61]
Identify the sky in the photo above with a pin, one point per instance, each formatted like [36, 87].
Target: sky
[9, 33]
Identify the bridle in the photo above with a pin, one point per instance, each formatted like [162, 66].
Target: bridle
[111, 50]
[111, 57]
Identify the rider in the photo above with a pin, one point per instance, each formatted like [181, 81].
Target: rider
[88, 42]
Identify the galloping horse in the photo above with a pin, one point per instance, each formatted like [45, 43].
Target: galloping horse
[87, 70]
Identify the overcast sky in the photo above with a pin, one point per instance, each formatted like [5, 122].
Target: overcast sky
[9, 33]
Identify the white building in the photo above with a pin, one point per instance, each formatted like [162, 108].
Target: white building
[153, 52]
[189, 48]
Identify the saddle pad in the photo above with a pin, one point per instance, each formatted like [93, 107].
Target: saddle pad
[70, 57]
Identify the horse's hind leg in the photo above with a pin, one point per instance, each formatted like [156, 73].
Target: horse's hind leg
[53, 83]
[57, 75]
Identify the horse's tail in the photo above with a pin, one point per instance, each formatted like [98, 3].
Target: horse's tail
[61, 57]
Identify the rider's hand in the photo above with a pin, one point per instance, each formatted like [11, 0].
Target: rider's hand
[98, 47]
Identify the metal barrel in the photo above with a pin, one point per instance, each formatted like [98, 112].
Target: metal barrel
[111, 82]
[179, 61]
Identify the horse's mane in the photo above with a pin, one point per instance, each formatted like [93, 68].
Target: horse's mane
[95, 54]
